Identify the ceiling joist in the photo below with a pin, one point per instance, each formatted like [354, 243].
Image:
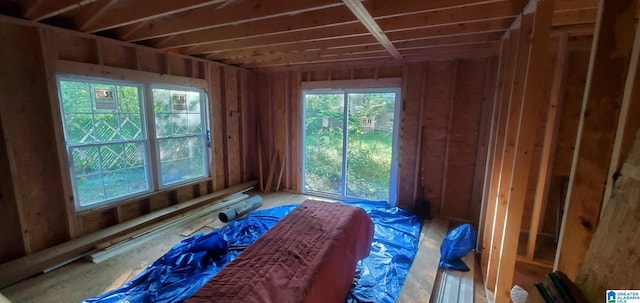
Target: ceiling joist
[365, 18]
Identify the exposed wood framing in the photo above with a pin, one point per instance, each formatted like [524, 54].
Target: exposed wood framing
[365, 18]
[628, 122]
[502, 194]
[549, 144]
[531, 103]
[596, 132]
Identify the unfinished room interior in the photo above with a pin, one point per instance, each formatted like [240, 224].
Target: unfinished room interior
[319, 150]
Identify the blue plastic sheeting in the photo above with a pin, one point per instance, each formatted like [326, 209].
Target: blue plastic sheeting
[457, 244]
[194, 261]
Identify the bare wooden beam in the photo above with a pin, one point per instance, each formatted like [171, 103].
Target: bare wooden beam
[451, 29]
[318, 34]
[532, 99]
[629, 121]
[46, 9]
[139, 10]
[365, 18]
[549, 144]
[521, 49]
[210, 17]
[283, 24]
[92, 12]
[376, 48]
[611, 53]
[292, 47]
[507, 57]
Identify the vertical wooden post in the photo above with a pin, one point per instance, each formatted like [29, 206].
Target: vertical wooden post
[610, 55]
[628, 123]
[490, 158]
[506, 169]
[548, 144]
[505, 103]
[532, 98]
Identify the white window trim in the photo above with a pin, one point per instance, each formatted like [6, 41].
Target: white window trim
[150, 140]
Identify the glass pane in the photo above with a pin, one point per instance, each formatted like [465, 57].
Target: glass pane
[161, 101]
[78, 128]
[137, 177]
[76, 97]
[116, 184]
[369, 145]
[86, 160]
[106, 127]
[323, 123]
[128, 99]
[90, 189]
[194, 124]
[181, 159]
[131, 126]
[193, 102]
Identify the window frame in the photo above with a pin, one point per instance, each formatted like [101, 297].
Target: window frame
[150, 140]
[205, 140]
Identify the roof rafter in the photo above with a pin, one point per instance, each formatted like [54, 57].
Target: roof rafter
[365, 18]
[140, 10]
[210, 17]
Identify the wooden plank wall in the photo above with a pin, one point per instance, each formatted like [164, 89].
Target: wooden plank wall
[444, 110]
[454, 95]
[36, 192]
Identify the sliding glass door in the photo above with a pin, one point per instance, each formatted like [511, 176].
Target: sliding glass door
[349, 140]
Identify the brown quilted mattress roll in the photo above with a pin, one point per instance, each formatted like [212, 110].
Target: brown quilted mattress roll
[309, 256]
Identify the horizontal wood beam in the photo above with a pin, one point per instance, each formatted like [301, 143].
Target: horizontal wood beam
[139, 10]
[283, 24]
[318, 34]
[25, 267]
[210, 17]
[45, 9]
[93, 70]
[293, 47]
[451, 29]
[355, 83]
[329, 46]
[295, 61]
[375, 48]
[365, 18]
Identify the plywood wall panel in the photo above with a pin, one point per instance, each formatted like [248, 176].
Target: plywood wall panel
[10, 226]
[437, 97]
[150, 61]
[463, 137]
[75, 48]
[29, 135]
[410, 123]
[218, 129]
[232, 114]
[118, 55]
[295, 133]
[578, 64]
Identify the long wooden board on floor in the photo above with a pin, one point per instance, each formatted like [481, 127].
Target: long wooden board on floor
[24, 267]
[422, 276]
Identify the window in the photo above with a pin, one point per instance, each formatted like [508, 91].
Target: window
[114, 148]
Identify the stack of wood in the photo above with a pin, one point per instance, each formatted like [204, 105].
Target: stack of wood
[556, 288]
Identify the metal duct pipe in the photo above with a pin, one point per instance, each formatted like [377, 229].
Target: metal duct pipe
[241, 209]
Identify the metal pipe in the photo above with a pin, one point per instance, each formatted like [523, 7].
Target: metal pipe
[241, 209]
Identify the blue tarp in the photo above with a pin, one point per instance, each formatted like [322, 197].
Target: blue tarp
[194, 261]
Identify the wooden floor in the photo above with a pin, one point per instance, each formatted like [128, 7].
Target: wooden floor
[82, 279]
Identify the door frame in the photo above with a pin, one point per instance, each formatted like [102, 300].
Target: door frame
[393, 182]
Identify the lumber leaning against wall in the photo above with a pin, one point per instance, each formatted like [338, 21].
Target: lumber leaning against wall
[36, 191]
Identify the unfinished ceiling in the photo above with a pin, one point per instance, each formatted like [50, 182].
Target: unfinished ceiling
[276, 33]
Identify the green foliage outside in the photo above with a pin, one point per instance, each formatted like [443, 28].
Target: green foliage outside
[368, 150]
[109, 145]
